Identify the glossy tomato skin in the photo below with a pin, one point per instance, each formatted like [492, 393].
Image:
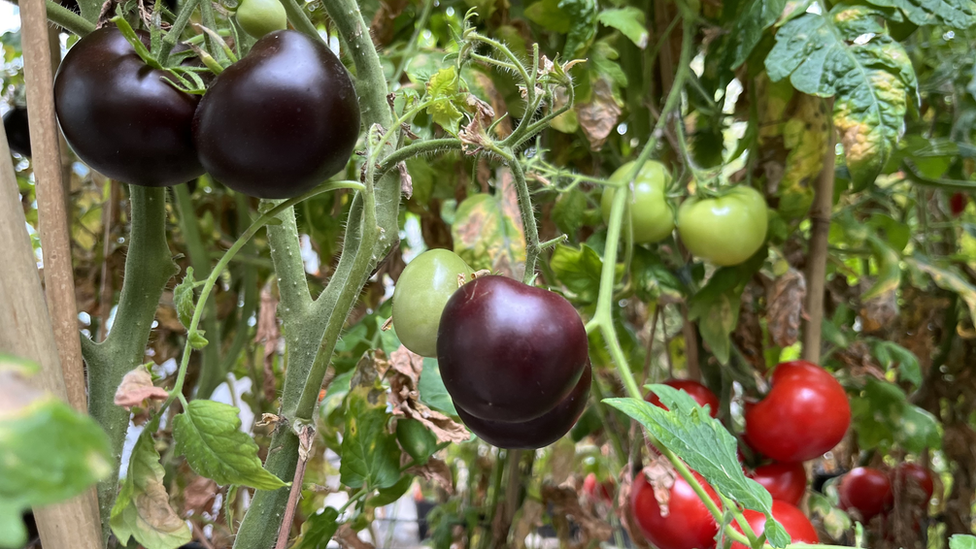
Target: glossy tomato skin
[421, 292]
[726, 230]
[651, 216]
[866, 489]
[688, 524]
[805, 414]
[17, 127]
[534, 433]
[915, 480]
[702, 395]
[279, 121]
[261, 17]
[119, 115]
[508, 351]
[784, 481]
[796, 524]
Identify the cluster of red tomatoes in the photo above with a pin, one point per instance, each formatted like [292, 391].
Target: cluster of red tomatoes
[275, 124]
[513, 357]
[868, 491]
[804, 415]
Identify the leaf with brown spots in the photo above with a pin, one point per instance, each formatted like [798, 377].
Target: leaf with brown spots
[404, 398]
[488, 231]
[136, 388]
[598, 116]
[784, 303]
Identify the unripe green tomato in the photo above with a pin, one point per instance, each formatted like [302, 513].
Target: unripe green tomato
[650, 213]
[260, 17]
[421, 292]
[726, 230]
[416, 439]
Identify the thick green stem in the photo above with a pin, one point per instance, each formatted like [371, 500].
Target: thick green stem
[148, 267]
[67, 19]
[210, 372]
[427, 146]
[532, 248]
[298, 19]
[176, 31]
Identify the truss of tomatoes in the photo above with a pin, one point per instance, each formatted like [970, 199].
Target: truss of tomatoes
[513, 357]
[275, 124]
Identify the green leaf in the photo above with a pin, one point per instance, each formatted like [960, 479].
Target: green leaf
[208, 434]
[959, 14]
[579, 270]
[142, 508]
[433, 393]
[652, 278]
[630, 22]
[849, 54]
[716, 305]
[487, 233]
[444, 87]
[389, 495]
[197, 341]
[948, 278]
[962, 541]
[183, 298]
[547, 14]
[705, 445]
[318, 530]
[577, 19]
[758, 16]
[883, 417]
[570, 211]
[890, 354]
[370, 455]
[48, 451]
[889, 270]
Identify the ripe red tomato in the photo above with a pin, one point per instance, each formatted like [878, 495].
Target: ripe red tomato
[279, 121]
[688, 524]
[508, 351]
[867, 490]
[121, 117]
[805, 414]
[534, 433]
[784, 481]
[702, 395]
[915, 481]
[796, 524]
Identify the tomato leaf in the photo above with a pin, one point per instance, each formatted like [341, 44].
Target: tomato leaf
[890, 354]
[849, 54]
[49, 451]
[208, 434]
[758, 16]
[183, 298]
[369, 453]
[630, 22]
[443, 87]
[947, 277]
[705, 445]
[487, 233]
[142, 508]
[432, 390]
[959, 14]
[579, 270]
[962, 541]
[576, 19]
[716, 306]
[318, 529]
[883, 417]
[569, 212]
[653, 279]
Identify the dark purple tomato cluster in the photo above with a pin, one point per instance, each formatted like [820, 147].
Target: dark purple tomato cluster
[273, 125]
[514, 360]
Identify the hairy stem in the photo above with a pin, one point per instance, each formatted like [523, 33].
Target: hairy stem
[67, 19]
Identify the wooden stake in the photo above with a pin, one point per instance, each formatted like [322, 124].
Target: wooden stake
[51, 205]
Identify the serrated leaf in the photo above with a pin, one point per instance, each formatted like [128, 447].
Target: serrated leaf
[849, 55]
[318, 530]
[890, 354]
[444, 87]
[579, 270]
[962, 541]
[716, 305]
[948, 278]
[958, 14]
[569, 211]
[630, 22]
[142, 508]
[208, 434]
[487, 233]
[883, 417]
[433, 393]
[705, 445]
[183, 298]
[577, 19]
[652, 278]
[758, 16]
[370, 455]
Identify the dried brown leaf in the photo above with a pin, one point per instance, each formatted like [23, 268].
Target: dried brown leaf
[269, 335]
[199, 495]
[347, 537]
[435, 470]
[784, 303]
[406, 182]
[748, 334]
[598, 117]
[565, 502]
[405, 398]
[136, 388]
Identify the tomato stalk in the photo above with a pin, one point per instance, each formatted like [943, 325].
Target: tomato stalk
[176, 30]
[67, 19]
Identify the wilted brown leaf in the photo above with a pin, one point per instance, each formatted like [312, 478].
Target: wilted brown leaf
[879, 311]
[565, 502]
[437, 471]
[599, 116]
[784, 303]
[136, 388]
[748, 334]
[199, 495]
[347, 537]
[405, 398]
[267, 333]
[153, 508]
[529, 519]
[406, 182]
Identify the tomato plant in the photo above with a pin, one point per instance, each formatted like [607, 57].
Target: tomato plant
[650, 214]
[915, 481]
[702, 395]
[280, 148]
[687, 524]
[725, 230]
[421, 292]
[805, 414]
[797, 525]
[866, 490]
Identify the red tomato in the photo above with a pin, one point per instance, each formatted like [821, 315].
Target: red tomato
[590, 487]
[797, 525]
[914, 481]
[805, 414]
[702, 395]
[785, 481]
[688, 524]
[867, 490]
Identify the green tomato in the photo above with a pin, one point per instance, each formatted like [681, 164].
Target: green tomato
[260, 17]
[726, 230]
[416, 439]
[421, 292]
[651, 216]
